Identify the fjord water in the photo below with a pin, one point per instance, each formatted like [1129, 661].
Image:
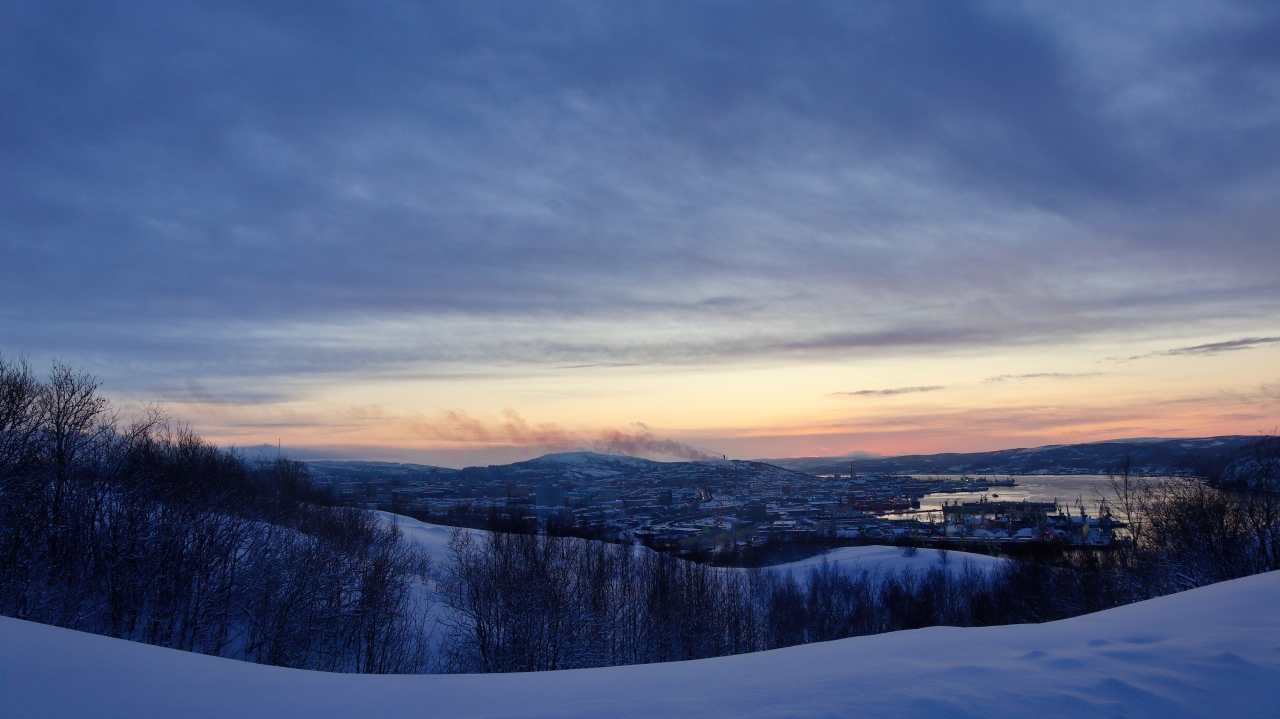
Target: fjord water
[1062, 488]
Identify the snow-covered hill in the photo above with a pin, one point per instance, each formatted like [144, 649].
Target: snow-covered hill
[1210, 652]
[1149, 455]
[888, 559]
[592, 459]
[434, 539]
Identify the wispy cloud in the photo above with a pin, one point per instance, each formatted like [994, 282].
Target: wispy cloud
[1042, 375]
[888, 392]
[1228, 346]
[1212, 348]
[195, 393]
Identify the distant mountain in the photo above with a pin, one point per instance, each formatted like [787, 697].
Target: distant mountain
[587, 460]
[350, 470]
[1148, 455]
[589, 466]
[558, 467]
[305, 454]
[1153, 455]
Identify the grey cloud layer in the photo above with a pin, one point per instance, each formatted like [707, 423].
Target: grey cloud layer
[897, 175]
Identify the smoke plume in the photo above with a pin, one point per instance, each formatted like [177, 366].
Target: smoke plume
[512, 430]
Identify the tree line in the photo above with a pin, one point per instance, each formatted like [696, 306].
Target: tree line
[1187, 532]
[524, 602]
[142, 530]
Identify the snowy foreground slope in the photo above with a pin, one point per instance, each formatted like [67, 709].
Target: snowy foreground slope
[1210, 652]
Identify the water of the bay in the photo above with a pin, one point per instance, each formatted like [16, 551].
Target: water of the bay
[1065, 489]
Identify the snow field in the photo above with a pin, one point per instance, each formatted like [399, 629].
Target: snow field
[1209, 652]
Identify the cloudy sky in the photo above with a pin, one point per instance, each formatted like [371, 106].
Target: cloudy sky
[476, 232]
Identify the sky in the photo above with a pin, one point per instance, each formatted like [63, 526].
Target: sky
[470, 233]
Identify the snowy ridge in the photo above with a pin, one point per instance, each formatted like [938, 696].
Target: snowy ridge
[592, 458]
[1148, 455]
[1209, 652]
[890, 559]
[433, 539]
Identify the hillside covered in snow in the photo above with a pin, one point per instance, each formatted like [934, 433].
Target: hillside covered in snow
[433, 540]
[1208, 652]
[1204, 456]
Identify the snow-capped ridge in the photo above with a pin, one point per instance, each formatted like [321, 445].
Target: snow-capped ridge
[589, 458]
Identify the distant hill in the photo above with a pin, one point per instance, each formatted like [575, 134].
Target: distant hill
[562, 466]
[305, 454]
[1203, 456]
[1145, 455]
[350, 470]
[587, 460]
